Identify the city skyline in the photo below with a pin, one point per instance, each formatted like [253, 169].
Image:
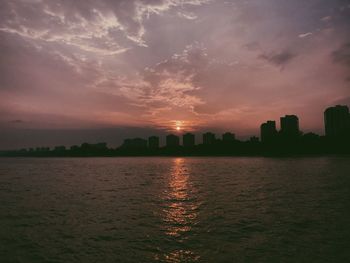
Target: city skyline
[99, 71]
[336, 127]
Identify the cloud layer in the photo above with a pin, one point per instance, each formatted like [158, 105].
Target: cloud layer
[220, 65]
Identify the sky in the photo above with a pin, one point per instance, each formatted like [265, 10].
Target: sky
[86, 70]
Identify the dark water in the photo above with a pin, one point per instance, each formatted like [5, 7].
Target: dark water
[175, 210]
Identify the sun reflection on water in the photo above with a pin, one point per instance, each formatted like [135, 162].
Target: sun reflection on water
[180, 213]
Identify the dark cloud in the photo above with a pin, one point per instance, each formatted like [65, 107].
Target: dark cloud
[16, 121]
[279, 59]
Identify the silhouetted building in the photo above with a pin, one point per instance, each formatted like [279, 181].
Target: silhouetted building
[60, 148]
[74, 148]
[153, 142]
[188, 140]
[337, 121]
[268, 131]
[290, 126]
[228, 137]
[172, 140]
[310, 136]
[208, 138]
[88, 147]
[42, 149]
[254, 139]
[100, 146]
[135, 143]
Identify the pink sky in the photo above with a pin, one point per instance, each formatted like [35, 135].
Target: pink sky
[154, 65]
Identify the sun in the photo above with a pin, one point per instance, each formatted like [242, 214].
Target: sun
[178, 125]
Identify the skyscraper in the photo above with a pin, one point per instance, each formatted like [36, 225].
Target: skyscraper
[208, 138]
[290, 126]
[188, 140]
[153, 142]
[337, 121]
[228, 137]
[172, 140]
[268, 131]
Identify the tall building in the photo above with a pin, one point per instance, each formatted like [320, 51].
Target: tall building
[337, 121]
[290, 126]
[100, 146]
[188, 140]
[268, 131]
[228, 137]
[172, 140]
[153, 142]
[254, 139]
[208, 138]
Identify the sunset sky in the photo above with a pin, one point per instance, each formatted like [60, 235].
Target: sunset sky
[75, 70]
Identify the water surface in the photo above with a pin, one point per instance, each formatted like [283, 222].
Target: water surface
[175, 210]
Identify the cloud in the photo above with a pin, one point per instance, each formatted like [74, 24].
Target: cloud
[278, 59]
[169, 82]
[342, 55]
[105, 27]
[326, 18]
[16, 121]
[252, 46]
[139, 62]
[305, 35]
[189, 16]
[343, 101]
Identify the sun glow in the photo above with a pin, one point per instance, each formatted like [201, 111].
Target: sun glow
[178, 125]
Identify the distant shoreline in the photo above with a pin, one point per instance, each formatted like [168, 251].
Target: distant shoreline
[178, 156]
